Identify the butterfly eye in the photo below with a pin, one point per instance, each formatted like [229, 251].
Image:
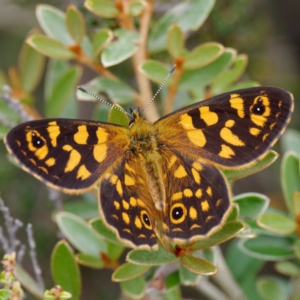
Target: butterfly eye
[145, 219]
[37, 141]
[258, 108]
[178, 213]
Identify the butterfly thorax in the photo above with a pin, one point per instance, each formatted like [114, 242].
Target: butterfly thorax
[144, 145]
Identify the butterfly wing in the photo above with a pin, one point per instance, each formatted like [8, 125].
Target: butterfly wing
[229, 130]
[198, 197]
[70, 155]
[126, 204]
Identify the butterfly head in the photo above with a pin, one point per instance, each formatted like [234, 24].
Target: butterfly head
[136, 115]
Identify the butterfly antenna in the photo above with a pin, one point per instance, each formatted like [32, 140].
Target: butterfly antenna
[103, 101]
[161, 86]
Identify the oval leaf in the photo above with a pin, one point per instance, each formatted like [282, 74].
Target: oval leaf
[150, 258]
[268, 247]
[194, 78]
[287, 268]
[120, 50]
[102, 8]
[75, 24]
[251, 205]
[155, 71]
[188, 15]
[50, 47]
[64, 268]
[271, 289]
[290, 177]
[100, 40]
[29, 60]
[277, 222]
[290, 141]
[198, 265]
[175, 41]
[230, 76]
[135, 288]
[62, 90]
[129, 271]
[80, 235]
[118, 117]
[187, 277]
[52, 21]
[90, 261]
[228, 231]
[202, 56]
[28, 282]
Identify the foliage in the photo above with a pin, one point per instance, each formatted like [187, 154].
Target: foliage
[117, 48]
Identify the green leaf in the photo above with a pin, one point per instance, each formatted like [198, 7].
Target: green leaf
[90, 261]
[104, 231]
[188, 15]
[100, 40]
[251, 204]
[287, 268]
[124, 47]
[234, 214]
[175, 41]
[136, 7]
[5, 294]
[80, 234]
[277, 222]
[296, 204]
[129, 271]
[28, 282]
[155, 71]
[52, 21]
[187, 277]
[75, 24]
[118, 117]
[64, 87]
[271, 288]
[228, 77]
[65, 270]
[268, 247]
[263, 163]
[242, 85]
[202, 56]
[135, 288]
[290, 141]
[85, 208]
[150, 258]
[172, 280]
[114, 251]
[245, 271]
[50, 47]
[290, 177]
[30, 59]
[201, 77]
[228, 231]
[198, 265]
[102, 8]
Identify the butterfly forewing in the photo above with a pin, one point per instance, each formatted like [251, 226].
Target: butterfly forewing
[67, 154]
[232, 129]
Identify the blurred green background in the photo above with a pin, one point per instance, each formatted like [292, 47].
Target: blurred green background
[267, 31]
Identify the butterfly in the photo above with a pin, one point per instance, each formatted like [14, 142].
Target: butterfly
[160, 177]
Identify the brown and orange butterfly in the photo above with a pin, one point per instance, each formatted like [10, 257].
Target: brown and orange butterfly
[161, 176]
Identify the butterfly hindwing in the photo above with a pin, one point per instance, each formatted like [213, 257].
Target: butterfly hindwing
[70, 155]
[198, 198]
[126, 204]
[232, 129]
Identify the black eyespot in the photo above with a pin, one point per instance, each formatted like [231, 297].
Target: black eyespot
[36, 141]
[258, 108]
[177, 213]
[146, 219]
